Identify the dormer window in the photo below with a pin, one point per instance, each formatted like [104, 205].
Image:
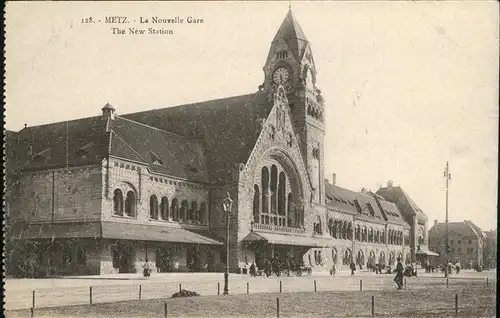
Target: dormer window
[85, 150]
[155, 159]
[43, 155]
[358, 207]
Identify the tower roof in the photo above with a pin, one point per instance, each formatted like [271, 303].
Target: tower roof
[291, 32]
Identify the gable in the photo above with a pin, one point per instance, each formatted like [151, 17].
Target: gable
[278, 139]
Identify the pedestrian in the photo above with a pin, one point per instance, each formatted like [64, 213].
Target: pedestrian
[399, 274]
[333, 270]
[353, 268]
[252, 270]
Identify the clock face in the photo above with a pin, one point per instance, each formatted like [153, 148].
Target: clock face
[281, 76]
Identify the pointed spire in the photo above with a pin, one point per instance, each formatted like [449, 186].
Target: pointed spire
[290, 28]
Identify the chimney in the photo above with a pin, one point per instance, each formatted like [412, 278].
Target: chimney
[334, 178]
[108, 111]
[389, 184]
[435, 222]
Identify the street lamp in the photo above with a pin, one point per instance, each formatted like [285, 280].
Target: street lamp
[227, 204]
[447, 175]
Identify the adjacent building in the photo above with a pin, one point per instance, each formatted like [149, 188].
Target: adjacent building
[105, 194]
[466, 243]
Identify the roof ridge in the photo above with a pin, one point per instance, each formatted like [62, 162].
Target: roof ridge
[155, 128]
[59, 122]
[193, 103]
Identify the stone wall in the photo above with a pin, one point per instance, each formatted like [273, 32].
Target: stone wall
[72, 194]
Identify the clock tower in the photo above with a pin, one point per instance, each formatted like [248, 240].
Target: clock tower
[290, 63]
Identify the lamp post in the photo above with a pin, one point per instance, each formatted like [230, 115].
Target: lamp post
[447, 175]
[227, 204]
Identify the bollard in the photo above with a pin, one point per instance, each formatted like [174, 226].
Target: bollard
[140, 291]
[281, 286]
[277, 307]
[314, 285]
[373, 306]
[33, 299]
[180, 287]
[486, 285]
[218, 288]
[405, 283]
[446, 282]
[456, 304]
[166, 310]
[90, 294]
[248, 288]
[32, 312]
[360, 285]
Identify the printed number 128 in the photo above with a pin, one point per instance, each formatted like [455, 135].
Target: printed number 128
[88, 20]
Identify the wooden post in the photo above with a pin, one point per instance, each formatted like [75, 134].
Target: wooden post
[166, 310]
[446, 282]
[90, 294]
[314, 285]
[281, 286]
[140, 291]
[248, 288]
[277, 307]
[180, 287]
[218, 288]
[405, 283]
[32, 312]
[360, 285]
[486, 285]
[373, 306]
[456, 304]
[33, 299]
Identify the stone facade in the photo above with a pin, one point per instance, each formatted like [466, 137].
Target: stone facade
[168, 170]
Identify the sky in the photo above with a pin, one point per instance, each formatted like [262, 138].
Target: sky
[408, 86]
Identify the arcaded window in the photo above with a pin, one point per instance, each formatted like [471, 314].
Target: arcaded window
[273, 187]
[331, 227]
[291, 216]
[203, 213]
[174, 209]
[184, 211]
[349, 231]
[153, 207]
[317, 225]
[357, 234]
[164, 208]
[130, 204]
[282, 198]
[347, 259]
[118, 202]
[256, 203]
[194, 215]
[334, 255]
[265, 190]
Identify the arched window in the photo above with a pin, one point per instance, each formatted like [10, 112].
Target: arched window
[282, 194]
[331, 227]
[194, 215]
[382, 237]
[153, 207]
[174, 209]
[291, 216]
[358, 233]
[256, 202]
[376, 236]
[370, 237]
[184, 211]
[334, 255]
[360, 259]
[349, 231]
[265, 190]
[130, 203]
[164, 208]
[274, 186]
[365, 234]
[203, 213]
[381, 258]
[347, 259]
[118, 202]
[317, 225]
